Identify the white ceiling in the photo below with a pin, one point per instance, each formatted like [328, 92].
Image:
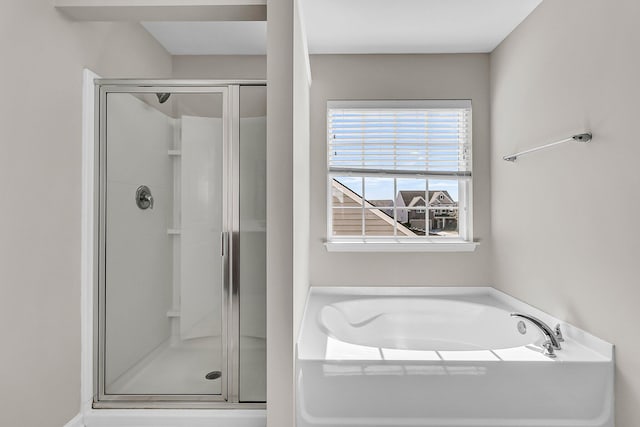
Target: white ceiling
[211, 38]
[411, 26]
[361, 26]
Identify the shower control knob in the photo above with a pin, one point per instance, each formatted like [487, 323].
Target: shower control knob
[144, 198]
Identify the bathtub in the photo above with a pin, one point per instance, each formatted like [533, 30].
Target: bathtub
[443, 357]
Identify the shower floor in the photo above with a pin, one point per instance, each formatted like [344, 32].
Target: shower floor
[181, 368]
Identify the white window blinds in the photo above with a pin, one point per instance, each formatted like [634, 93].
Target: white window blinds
[424, 138]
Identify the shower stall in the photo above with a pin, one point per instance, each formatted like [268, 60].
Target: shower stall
[180, 238]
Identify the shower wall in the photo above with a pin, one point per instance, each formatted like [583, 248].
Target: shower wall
[139, 252]
[201, 275]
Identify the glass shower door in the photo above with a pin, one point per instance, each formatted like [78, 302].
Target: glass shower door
[252, 240]
[163, 224]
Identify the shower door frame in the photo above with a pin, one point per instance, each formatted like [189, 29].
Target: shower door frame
[230, 339]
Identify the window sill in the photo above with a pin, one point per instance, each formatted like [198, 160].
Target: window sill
[367, 246]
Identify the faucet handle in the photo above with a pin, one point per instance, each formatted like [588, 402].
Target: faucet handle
[548, 350]
[144, 198]
[558, 333]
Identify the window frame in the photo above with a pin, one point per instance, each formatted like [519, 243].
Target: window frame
[462, 243]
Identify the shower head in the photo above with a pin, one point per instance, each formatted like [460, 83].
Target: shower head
[162, 97]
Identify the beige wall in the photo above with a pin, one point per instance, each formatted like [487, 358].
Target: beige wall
[43, 57]
[400, 77]
[220, 67]
[565, 220]
[280, 213]
[301, 141]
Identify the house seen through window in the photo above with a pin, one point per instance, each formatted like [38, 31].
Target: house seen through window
[399, 171]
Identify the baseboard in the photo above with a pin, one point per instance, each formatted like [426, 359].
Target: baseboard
[75, 421]
[170, 418]
[175, 418]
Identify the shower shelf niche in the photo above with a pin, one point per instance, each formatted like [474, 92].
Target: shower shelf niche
[174, 231]
[176, 153]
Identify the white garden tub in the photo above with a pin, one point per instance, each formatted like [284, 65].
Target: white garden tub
[443, 357]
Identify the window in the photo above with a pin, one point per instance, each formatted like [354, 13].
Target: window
[399, 172]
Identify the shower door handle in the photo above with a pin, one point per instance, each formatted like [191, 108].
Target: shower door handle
[223, 240]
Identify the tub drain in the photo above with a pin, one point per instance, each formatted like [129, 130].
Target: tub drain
[213, 375]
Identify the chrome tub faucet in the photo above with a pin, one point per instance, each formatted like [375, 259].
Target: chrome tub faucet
[553, 336]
